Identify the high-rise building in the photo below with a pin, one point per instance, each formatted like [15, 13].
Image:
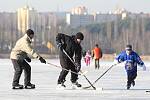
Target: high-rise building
[79, 20]
[79, 10]
[79, 17]
[26, 18]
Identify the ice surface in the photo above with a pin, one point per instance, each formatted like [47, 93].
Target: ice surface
[45, 77]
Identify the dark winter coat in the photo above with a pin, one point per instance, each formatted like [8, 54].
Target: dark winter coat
[72, 48]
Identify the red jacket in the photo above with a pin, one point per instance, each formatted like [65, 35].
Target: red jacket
[97, 53]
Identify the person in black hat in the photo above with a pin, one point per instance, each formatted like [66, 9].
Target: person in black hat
[71, 44]
[19, 57]
[131, 60]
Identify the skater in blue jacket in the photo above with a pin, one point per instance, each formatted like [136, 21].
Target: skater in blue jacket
[131, 60]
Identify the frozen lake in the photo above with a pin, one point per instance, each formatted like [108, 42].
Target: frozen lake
[45, 77]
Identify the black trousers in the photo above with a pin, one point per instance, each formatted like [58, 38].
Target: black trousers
[67, 64]
[130, 78]
[19, 66]
[97, 64]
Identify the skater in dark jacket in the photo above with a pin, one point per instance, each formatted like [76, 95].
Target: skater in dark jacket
[71, 44]
[19, 57]
[131, 59]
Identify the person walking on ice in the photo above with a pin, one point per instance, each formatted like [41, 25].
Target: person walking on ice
[131, 59]
[19, 57]
[97, 54]
[71, 44]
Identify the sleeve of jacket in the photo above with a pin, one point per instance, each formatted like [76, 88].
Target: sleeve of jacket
[93, 53]
[29, 50]
[101, 53]
[139, 61]
[120, 57]
[59, 38]
[78, 56]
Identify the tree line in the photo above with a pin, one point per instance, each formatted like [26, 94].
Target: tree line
[112, 36]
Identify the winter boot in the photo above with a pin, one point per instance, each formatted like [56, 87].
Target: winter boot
[29, 86]
[17, 86]
[128, 86]
[60, 86]
[76, 85]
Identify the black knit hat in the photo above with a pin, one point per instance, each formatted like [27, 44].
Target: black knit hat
[80, 35]
[129, 47]
[96, 45]
[29, 32]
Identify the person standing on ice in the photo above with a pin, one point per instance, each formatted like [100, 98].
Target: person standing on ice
[19, 57]
[131, 60]
[71, 44]
[87, 58]
[97, 54]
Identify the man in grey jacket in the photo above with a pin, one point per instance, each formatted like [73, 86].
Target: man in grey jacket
[19, 57]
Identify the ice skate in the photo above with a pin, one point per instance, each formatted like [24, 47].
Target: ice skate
[76, 85]
[17, 86]
[128, 86]
[133, 83]
[29, 86]
[60, 86]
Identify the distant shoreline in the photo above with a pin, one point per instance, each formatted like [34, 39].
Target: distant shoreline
[105, 57]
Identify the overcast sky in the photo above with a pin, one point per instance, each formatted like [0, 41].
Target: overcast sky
[66, 5]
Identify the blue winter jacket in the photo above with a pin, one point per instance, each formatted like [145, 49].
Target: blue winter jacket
[131, 61]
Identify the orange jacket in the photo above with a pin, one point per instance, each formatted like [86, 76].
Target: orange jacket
[97, 53]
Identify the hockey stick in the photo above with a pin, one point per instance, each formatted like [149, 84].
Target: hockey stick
[67, 69]
[91, 85]
[101, 76]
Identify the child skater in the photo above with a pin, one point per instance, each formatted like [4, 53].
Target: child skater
[132, 59]
[88, 58]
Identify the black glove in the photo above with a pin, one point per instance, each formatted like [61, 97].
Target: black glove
[28, 59]
[42, 60]
[60, 46]
[78, 68]
[120, 60]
